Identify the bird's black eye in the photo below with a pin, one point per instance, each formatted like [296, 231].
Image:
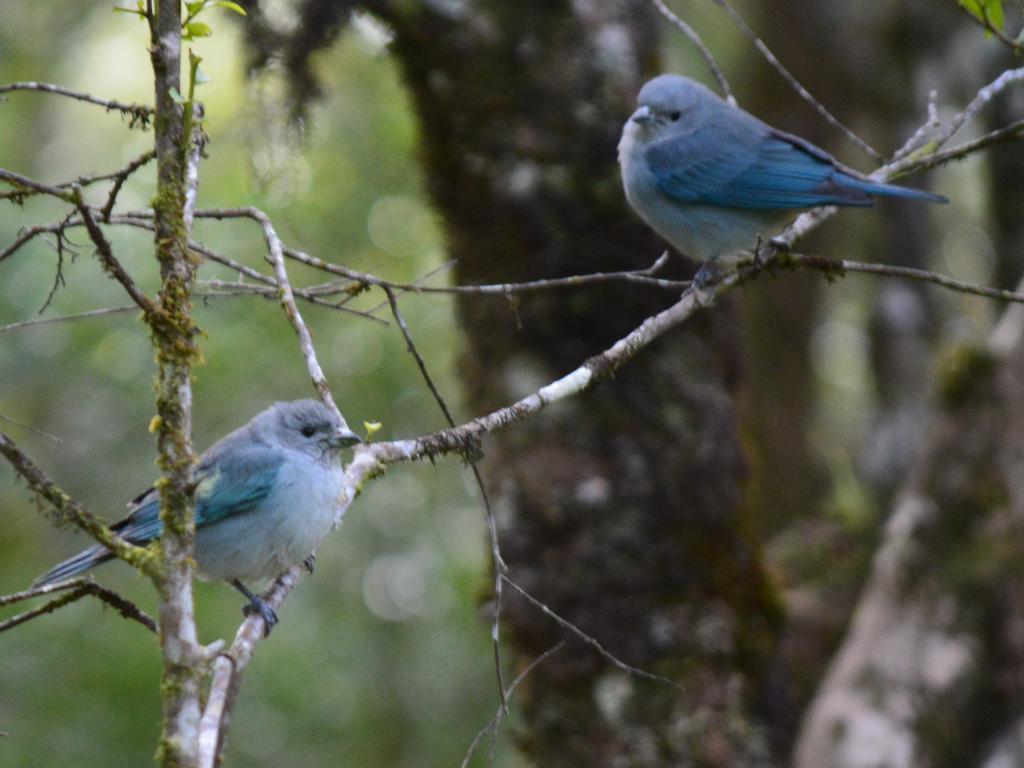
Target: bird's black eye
[308, 431]
[673, 116]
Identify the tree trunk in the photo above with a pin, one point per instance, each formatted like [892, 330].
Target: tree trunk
[930, 669]
[621, 511]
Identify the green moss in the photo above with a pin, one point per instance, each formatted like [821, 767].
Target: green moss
[378, 471]
[173, 334]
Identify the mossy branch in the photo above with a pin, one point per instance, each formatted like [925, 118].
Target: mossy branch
[67, 511]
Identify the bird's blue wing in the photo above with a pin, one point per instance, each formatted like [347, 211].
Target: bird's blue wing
[749, 169]
[229, 484]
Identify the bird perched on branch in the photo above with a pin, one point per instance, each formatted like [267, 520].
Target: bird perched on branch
[713, 180]
[265, 497]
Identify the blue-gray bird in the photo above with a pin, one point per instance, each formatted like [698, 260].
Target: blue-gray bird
[712, 179]
[265, 497]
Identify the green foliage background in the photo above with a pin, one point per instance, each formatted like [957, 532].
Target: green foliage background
[381, 658]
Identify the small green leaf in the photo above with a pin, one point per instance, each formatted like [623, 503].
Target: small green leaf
[231, 7]
[995, 13]
[372, 428]
[176, 96]
[990, 11]
[196, 29]
[195, 7]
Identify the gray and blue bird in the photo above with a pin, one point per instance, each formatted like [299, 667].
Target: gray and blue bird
[265, 497]
[713, 180]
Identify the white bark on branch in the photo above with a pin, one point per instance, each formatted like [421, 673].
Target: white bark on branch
[284, 287]
[227, 670]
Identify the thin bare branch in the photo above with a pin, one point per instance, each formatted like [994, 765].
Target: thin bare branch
[644, 276]
[788, 76]
[30, 428]
[694, 38]
[492, 527]
[306, 294]
[312, 294]
[139, 115]
[143, 219]
[24, 184]
[499, 289]
[49, 589]
[28, 187]
[28, 234]
[913, 163]
[207, 289]
[66, 318]
[982, 98]
[420, 281]
[276, 258]
[58, 278]
[120, 177]
[420, 362]
[833, 268]
[495, 723]
[591, 641]
[928, 127]
[110, 263]
[73, 589]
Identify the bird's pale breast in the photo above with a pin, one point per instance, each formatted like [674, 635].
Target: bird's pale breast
[280, 532]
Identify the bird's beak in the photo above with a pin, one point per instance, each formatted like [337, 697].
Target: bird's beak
[343, 438]
[643, 116]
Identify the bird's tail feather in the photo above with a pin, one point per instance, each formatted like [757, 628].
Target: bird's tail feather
[891, 190]
[73, 566]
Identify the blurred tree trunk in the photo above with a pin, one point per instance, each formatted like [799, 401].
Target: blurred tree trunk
[779, 316]
[871, 86]
[870, 83]
[790, 485]
[1006, 192]
[621, 510]
[931, 668]
[900, 42]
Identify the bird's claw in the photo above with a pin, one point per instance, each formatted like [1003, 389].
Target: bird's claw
[310, 563]
[758, 262]
[259, 607]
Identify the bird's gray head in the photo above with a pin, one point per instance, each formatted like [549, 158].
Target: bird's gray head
[668, 104]
[305, 425]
